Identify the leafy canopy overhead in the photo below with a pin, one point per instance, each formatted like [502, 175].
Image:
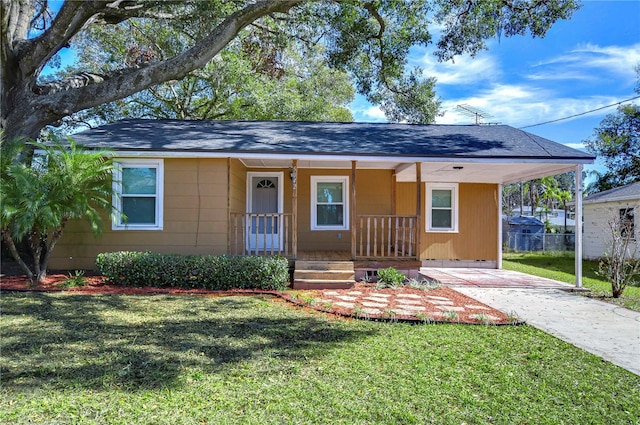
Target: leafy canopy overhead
[369, 40]
[256, 77]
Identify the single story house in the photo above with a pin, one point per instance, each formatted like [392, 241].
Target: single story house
[619, 206]
[430, 194]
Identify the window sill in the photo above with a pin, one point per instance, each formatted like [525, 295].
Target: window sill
[135, 228]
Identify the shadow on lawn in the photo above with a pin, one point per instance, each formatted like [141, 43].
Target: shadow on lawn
[135, 343]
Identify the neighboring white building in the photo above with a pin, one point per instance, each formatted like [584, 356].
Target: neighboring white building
[621, 203]
[556, 217]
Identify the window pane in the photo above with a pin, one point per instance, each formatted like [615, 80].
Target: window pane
[441, 219]
[441, 198]
[139, 181]
[139, 210]
[330, 215]
[330, 192]
[627, 225]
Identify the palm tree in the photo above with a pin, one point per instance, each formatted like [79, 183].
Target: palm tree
[42, 192]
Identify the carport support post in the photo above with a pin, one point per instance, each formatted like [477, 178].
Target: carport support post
[578, 248]
[499, 254]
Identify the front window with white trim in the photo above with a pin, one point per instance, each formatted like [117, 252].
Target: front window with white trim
[329, 203]
[442, 207]
[137, 189]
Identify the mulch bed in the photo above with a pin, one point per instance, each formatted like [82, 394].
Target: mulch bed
[440, 305]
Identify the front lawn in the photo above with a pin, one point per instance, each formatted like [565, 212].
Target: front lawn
[255, 360]
[561, 266]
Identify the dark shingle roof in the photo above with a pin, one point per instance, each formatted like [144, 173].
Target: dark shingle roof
[524, 221]
[309, 138]
[628, 192]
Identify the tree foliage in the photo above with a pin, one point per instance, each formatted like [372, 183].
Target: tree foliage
[257, 77]
[369, 40]
[543, 195]
[39, 198]
[617, 143]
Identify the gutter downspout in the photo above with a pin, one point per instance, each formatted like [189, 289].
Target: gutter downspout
[578, 248]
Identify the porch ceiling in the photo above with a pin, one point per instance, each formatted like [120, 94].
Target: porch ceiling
[499, 172]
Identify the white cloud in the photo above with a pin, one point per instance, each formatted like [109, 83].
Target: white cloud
[588, 61]
[521, 105]
[374, 113]
[465, 69]
[579, 145]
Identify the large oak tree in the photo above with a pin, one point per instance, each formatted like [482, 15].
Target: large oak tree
[369, 39]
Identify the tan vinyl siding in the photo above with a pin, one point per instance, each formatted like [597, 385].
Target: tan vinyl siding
[195, 219]
[237, 186]
[476, 238]
[200, 193]
[373, 196]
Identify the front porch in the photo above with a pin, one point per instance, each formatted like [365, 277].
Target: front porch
[335, 269]
[374, 237]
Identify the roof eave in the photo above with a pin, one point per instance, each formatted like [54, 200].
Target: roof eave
[346, 156]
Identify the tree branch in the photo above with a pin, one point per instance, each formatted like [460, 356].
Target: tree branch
[73, 16]
[88, 90]
[371, 8]
[15, 254]
[34, 53]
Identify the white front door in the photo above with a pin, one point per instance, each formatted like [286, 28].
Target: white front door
[264, 202]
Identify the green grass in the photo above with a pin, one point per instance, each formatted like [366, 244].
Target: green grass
[561, 266]
[250, 360]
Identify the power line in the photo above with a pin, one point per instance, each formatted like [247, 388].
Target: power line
[582, 113]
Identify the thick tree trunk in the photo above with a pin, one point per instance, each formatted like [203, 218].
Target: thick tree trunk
[36, 250]
[26, 107]
[55, 237]
[16, 255]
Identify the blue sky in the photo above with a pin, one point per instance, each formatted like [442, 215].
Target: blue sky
[582, 64]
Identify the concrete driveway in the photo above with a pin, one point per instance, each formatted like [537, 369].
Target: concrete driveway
[601, 328]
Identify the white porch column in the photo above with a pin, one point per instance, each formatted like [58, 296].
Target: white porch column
[499, 261]
[578, 218]
[354, 217]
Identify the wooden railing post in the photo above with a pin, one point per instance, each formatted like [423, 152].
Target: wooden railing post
[386, 236]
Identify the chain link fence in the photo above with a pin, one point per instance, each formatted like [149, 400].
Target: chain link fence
[523, 241]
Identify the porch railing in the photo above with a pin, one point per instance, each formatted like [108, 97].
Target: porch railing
[377, 236]
[386, 236]
[260, 234]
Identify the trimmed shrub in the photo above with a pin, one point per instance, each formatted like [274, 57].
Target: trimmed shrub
[194, 271]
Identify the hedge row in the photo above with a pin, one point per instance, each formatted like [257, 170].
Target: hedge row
[194, 271]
